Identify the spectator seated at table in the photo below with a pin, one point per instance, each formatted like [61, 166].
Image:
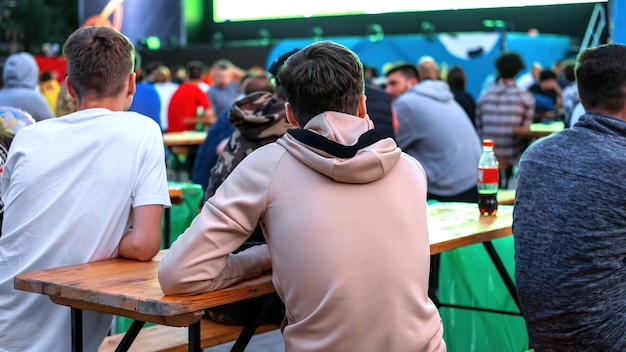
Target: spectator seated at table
[503, 108]
[21, 86]
[88, 186]
[313, 192]
[146, 100]
[187, 100]
[456, 81]
[547, 94]
[569, 223]
[49, 88]
[225, 88]
[259, 119]
[435, 130]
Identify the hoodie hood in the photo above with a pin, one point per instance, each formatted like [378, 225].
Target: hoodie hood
[438, 90]
[259, 116]
[21, 71]
[343, 147]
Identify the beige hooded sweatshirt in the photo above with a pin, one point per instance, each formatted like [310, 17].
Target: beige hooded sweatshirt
[346, 229]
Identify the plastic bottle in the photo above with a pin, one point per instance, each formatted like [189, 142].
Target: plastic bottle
[488, 174]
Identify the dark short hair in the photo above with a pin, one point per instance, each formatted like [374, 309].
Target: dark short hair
[46, 76]
[569, 72]
[601, 77]
[546, 74]
[258, 83]
[456, 78]
[99, 61]
[509, 64]
[406, 69]
[323, 76]
[278, 62]
[195, 69]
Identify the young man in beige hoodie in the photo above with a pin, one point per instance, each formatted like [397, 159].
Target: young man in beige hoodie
[344, 215]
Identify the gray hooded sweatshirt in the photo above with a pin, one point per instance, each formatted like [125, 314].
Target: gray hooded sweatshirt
[21, 86]
[435, 130]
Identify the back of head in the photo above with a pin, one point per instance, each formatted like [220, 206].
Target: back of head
[258, 83]
[273, 70]
[195, 70]
[569, 72]
[46, 76]
[546, 75]
[99, 61]
[456, 78]
[323, 76]
[20, 71]
[428, 68]
[509, 64]
[280, 61]
[601, 77]
[161, 74]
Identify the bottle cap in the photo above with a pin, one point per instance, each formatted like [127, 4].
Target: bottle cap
[487, 142]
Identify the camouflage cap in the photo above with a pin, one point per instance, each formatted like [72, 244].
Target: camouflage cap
[259, 115]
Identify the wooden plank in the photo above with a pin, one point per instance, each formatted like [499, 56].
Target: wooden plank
[455, 225]
[171, 339]
[131, 285]
[186, 138]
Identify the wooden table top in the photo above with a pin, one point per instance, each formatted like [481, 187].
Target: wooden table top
[130, 288]
[172, 139]
[538, 130]
[455, 225]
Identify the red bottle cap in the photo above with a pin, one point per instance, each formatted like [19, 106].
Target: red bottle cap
[487, 142]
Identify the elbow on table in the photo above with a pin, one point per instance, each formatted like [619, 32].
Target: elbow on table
[142, 252]
[173, 283]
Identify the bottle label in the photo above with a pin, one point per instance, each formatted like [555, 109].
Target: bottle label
[488, 175]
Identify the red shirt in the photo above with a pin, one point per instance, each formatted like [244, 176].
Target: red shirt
[184, 104]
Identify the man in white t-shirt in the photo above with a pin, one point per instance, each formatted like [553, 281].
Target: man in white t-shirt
[88, 186]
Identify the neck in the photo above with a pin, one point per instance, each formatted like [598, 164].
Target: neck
[621, 114]
[113, 104]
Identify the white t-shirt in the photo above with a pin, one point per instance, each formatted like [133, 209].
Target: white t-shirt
[69, 187]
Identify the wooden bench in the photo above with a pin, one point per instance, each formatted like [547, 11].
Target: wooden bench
[172, 339]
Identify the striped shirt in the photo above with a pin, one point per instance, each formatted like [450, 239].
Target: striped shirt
[498, 112]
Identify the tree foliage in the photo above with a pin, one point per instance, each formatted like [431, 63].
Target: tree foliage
[35, 22]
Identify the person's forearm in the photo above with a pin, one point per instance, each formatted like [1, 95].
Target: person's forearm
[180, 277]
[132, 248]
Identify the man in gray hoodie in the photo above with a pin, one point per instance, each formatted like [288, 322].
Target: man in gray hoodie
[434, 129]
[21, 86]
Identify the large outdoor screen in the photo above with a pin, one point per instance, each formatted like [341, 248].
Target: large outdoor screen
[244, 10]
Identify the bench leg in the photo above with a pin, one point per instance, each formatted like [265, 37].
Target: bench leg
[166, 228]
[251, 326]
[130, 336]
[77, 329]
[194, 342]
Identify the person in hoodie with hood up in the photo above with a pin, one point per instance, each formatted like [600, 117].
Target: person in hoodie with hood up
[21, 87]
[347, 281]
[435, 130]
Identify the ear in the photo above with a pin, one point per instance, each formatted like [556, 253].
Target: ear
[132, 81]
[290, 117]
[362, 110]
[70, 88]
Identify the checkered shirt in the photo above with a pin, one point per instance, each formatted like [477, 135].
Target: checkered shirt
[498, 112]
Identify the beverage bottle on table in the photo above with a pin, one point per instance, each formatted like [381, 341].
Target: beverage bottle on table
[488, 174]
